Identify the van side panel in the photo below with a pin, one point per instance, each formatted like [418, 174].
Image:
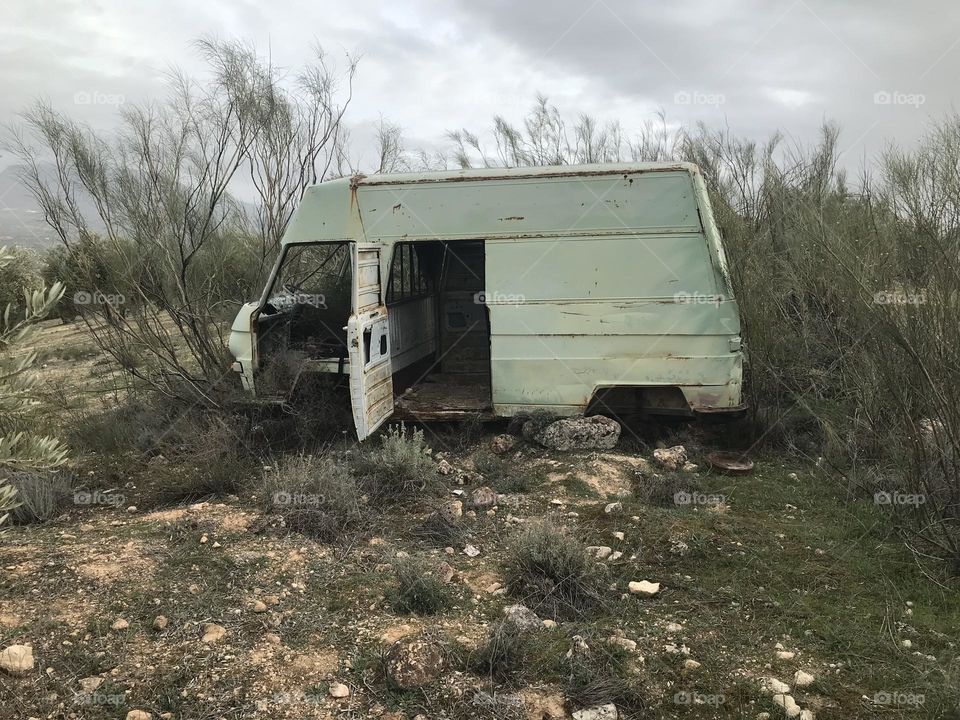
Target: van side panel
[648, 307]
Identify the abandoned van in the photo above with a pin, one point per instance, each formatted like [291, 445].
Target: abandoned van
[488, 293]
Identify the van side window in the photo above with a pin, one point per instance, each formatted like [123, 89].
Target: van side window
[407, 277]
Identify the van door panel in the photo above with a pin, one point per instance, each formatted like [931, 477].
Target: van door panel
[368, 344]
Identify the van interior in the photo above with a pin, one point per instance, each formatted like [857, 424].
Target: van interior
[439, 327]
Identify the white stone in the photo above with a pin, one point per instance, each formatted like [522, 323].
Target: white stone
[785, 655]
[690, 664]
[120, 624]
[17, 659]
[470, 551]
[644, 588]
[803, 679]
[789, 705]
[601, 712]
[774, 686]
[339, 690]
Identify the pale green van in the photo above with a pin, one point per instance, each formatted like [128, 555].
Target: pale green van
[493, 292]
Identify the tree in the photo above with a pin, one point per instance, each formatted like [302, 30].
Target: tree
[164, 185]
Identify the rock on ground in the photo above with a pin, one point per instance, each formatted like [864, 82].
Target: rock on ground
[789, 705]
[139, 715]
[414, 662]
[601, 712]
[774, 686]
[483, 496]
[339, 690]
[671, 459]
[644, 588]
[17, 659]
[580, 433]
[542, 706]
[502, 444]
[522, 618]
[213, 632]
[803, 679]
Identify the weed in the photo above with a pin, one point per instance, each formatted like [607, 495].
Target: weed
[550, 571]
[440, 530]
[316, 496]
[418, 590]
[401, 466]
[505, 476]
[40, 495]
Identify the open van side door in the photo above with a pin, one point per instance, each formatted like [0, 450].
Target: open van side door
[368, 344]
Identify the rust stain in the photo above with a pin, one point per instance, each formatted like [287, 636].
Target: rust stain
[512, 217]
[396, 207]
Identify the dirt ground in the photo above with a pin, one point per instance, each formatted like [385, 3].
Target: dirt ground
[212, 608]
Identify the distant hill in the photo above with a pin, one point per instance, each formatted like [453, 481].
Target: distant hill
[21, 219]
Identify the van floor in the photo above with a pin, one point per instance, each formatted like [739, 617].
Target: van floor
[446, 396]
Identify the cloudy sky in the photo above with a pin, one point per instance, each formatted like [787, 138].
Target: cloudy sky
[881, 68]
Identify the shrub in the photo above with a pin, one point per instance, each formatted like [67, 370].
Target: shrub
[213, 458]
[549, 570]
[8, 500]
[19, 273]
[316, 496]
[40, 495]
[502, 655]
[662, 488]
[440, 530]
[418, 590]
[401, 466]
[603, 676]
[506, 476]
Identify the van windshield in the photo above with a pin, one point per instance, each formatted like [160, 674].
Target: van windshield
[312, 275]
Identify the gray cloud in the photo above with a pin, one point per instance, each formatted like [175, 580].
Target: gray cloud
[430, 66]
